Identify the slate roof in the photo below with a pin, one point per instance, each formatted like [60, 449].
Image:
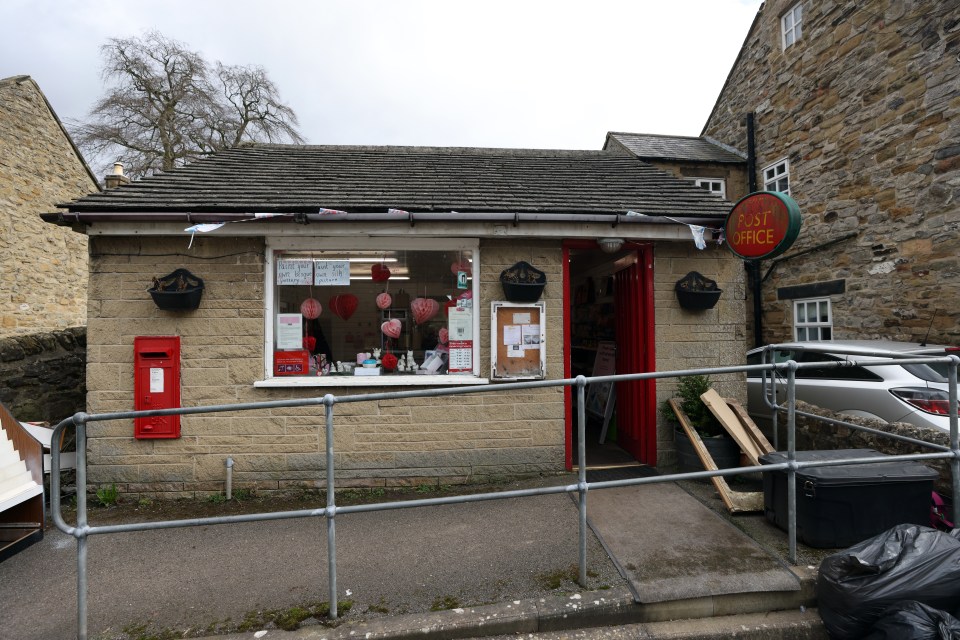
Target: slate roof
[272, 178]
[649, 146]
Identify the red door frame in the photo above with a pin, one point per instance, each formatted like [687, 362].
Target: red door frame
[645, 349]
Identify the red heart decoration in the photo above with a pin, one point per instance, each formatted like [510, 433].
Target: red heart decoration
[384, 301]
[423, 309]
[343, 305]
[443, 335]
[380, 272]
[391, 328]
[456, 267]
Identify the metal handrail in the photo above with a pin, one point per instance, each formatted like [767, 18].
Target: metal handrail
[82, 530]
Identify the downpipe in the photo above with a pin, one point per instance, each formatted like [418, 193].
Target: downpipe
[228, 489]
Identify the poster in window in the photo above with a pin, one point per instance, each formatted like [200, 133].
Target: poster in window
[294, 272]
[331, 273]
[289, 331]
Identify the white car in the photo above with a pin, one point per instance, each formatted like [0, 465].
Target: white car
[912, 393]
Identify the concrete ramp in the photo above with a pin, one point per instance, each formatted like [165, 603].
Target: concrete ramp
[668, 546]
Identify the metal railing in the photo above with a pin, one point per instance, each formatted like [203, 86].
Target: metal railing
[82, 530]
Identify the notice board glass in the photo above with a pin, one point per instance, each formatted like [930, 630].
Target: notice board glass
[518, 340]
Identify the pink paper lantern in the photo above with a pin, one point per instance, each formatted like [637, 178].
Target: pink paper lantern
[391, 328]
[311, 309]
[443, 335]
[384, 300]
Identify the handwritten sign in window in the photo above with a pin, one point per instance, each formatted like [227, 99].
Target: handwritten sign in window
[331, 272]
[294, 272]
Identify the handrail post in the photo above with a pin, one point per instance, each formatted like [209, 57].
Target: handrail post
[328, 401]
[792, 459]
[954, 438]
[80, 420]
[582, 475]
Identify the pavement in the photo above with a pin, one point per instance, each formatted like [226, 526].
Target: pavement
[483, 569]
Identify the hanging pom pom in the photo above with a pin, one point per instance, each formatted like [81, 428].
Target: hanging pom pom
[311, 309]
[384, 300]
[389, 362]
[309, 343]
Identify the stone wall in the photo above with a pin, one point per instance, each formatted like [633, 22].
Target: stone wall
[813, 434]
[697, 339]
[381, 443]
[42, 376]
[44, 267]
[865, 107]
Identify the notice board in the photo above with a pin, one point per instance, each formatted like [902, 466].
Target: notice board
[518, 340]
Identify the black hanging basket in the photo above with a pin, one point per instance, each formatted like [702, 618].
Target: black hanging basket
[697, 292]
[523, 282]
[177, 291]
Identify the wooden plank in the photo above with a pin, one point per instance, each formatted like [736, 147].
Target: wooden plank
[718, 407]
[752, 430]
[734, 501]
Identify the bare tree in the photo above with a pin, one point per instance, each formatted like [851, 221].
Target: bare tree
[167, 106]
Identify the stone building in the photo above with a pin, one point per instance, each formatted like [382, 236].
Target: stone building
[406, 250]
[854, 110]
[44, 269]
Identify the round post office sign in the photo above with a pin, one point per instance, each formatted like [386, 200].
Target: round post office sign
[762, 225]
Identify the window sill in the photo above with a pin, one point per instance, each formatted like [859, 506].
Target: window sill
[370, 381]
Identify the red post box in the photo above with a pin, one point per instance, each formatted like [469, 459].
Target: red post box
[156, 384]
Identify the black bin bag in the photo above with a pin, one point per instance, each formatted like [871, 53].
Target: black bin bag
[906, 562]
[912, 620]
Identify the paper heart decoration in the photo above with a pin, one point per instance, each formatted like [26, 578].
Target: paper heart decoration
[456, 267]
[391, 328]
[311, 308]
[423, 309]
[384, 300]
[443, 335]
[380, 272]
[309, 343]
[343, 305]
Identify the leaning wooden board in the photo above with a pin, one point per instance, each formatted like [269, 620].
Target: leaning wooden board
[734, 501]
[718, 407]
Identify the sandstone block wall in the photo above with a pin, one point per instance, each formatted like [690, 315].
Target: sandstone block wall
[382, 443]
[867, 110]
[697, 339]
[44, 267]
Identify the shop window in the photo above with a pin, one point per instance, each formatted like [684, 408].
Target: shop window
[791, 25]
[716, 186]
[776, 177]
[812, 320]
[335, 313]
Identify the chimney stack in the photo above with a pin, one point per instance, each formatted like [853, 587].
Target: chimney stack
[116, 178]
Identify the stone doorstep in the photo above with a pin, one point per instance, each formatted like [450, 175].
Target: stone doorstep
[770, 612]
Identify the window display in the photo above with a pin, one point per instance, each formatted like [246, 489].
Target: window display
[372, 312]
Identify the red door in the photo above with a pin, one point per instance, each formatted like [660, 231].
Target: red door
[636, 407]
[637, 399]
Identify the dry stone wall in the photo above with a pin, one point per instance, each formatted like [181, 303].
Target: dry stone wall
[42, 375]
[379, 443]
[866, 108]
[44, 266]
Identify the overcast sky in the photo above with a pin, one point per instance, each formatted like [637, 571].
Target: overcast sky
[519, 73]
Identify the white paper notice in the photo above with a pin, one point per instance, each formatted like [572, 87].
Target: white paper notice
[156, 380]
[512, 335]
[331, 273]
[521, 318]
[294, 272]
[531, 336]
[515, 351]
[460, 324]
[289, 331]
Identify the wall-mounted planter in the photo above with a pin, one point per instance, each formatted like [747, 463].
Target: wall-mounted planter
[177, 291]
[696, 292]
[523, 283]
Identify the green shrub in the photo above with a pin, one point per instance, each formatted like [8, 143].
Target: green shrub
[689, 390]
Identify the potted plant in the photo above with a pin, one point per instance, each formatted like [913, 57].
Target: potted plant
[697, 292]
[722, 448]
[177, 291]
[523, 282]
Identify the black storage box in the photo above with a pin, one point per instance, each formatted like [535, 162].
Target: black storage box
[839, 506]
